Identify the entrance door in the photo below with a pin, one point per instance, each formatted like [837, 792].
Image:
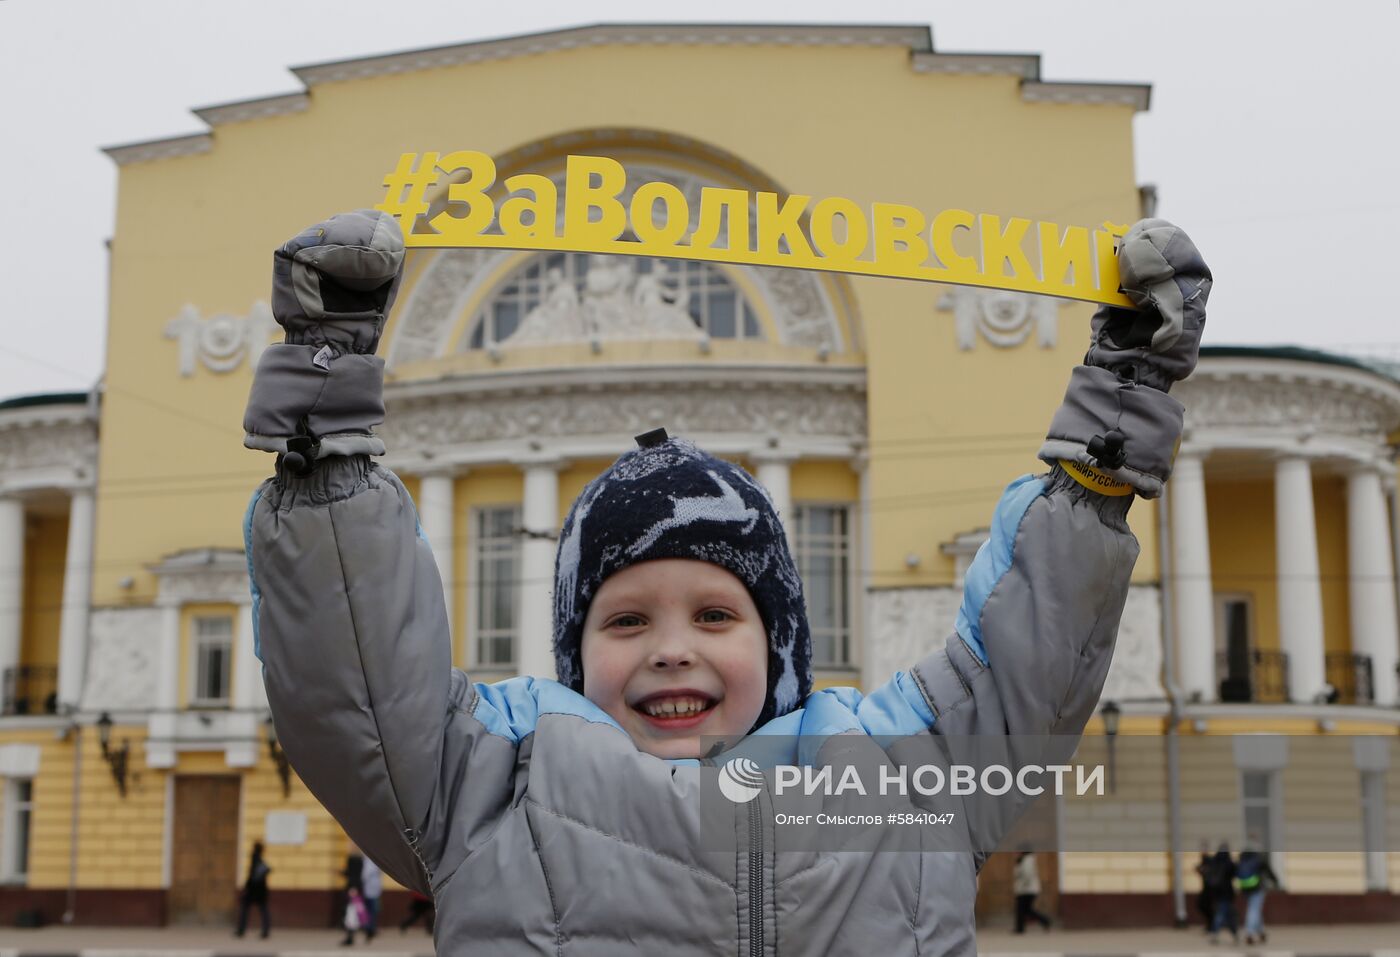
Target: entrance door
[204, 871]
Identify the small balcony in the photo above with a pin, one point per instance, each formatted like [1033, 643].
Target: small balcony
[1253, 675]
[1350, 678]
[29, 689]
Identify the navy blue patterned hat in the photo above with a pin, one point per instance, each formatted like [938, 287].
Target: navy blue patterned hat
[669, 499]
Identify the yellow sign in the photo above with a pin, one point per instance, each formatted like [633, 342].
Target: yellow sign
[831, 235]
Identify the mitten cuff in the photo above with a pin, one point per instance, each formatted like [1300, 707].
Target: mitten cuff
[340, 396]
[1148, 424]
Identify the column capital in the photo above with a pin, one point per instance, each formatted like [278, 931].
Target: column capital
[1380, 468]
[1295, 454]
[431, 469]
[542, 460]
[773, 456]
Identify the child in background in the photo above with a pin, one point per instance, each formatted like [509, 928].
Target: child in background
[561, 817]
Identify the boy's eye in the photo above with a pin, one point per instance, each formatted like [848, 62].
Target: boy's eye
[627, 621]
[714, 616]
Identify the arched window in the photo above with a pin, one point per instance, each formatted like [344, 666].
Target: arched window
[712, 301]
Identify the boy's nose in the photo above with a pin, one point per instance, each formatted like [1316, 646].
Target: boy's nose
[671, 658]
[672, 650]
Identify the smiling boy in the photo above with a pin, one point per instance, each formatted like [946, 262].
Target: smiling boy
[674, 649]
[562, 817]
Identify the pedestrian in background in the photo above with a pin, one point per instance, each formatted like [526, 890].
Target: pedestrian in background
[354, 895]
[255, 893]
[1025, 884]
[371, 887]
[1205, 905]
[1222, 892]
[1255, 876]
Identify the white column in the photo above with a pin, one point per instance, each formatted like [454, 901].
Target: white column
[775, 475]
[77, 594]
[436, 509]
[1370, 585]
[11, 582]
[539, 514]
[1191, 585]
[1299, 581]
[160, 751]
[249, 694]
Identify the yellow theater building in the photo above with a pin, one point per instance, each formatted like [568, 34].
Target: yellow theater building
[137, 766]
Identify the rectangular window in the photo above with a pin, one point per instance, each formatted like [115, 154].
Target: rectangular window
[822, 537]
[496, 585]
[1373, 829]
[213, 660]
[1259, 790]
[19, 806]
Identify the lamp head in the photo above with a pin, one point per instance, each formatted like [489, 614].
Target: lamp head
[1110, 712]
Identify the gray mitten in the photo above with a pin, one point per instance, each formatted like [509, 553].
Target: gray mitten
[1117, 418]
[321, 391]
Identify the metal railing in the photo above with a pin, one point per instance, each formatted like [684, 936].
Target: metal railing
[1257, 676]
[1350, 676]
[29, 689]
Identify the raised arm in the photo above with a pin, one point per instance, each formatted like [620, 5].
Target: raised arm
[1044, 595]
[348, 604]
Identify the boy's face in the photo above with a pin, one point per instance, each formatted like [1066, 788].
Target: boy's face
[674, 649]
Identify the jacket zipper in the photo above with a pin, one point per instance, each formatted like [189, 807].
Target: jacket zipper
[755, 871]
[755, 878]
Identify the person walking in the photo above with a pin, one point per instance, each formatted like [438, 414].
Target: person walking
[371, 888]
[1025, 884]
[1205, 904]
[255, 893]
[1256, 876]
[354, 895]
[1222, 892]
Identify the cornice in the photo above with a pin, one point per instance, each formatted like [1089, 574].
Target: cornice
[202, 574]
[600, 379]
[918, 40]
[1136, 95]
[160, 149]
[46, 416]
[1323, 397]
[622, 34]
[580, 413]
[1024, 65]
[47, 446]
[242, 110]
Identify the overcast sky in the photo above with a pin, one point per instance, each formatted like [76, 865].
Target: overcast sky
[1273, 134]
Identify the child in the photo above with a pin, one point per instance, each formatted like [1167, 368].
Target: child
[561, 817]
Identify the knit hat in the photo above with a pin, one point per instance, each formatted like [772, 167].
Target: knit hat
[669, 499]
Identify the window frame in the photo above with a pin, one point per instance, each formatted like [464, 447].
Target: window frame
[14, 807]
[197, 644]
[1272, 804]
[710, 278]
[845, 635]
[475, 566]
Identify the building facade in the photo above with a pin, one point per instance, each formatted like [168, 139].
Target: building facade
[883, 416]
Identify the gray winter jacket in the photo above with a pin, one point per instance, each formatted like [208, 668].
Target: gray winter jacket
[534, 821]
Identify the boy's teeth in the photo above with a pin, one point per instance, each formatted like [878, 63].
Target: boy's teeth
[680, 707]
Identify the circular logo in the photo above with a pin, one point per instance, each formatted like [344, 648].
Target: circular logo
[740, 780]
